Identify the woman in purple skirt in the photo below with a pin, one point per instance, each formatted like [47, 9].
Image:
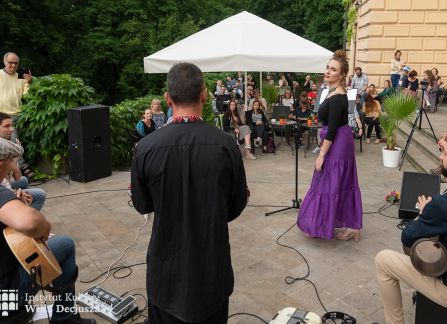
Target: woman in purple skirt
[334, 199]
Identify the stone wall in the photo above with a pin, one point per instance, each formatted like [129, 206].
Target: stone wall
[416, 27]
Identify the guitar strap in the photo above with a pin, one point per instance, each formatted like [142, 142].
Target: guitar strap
[56, 291]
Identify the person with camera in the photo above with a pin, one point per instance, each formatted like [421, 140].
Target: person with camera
[429, 84]
[13, 86]
[393, 267]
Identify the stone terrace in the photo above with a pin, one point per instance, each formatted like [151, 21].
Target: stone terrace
[103, 224]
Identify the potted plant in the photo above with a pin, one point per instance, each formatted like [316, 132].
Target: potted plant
[270, 94]
[398, 107]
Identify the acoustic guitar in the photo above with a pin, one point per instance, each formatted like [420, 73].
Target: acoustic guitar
[34, 256]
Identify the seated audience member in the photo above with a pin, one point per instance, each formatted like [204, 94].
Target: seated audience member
[296, 89]
[438, 170]
[288, 100]
[387, 90]
[158, 116]
[232, 123]
[411, 84]
[440, 84]
[372, 90]
[257, 97]
[18, 183]
[250, 81]
[222, 97]
[257, 120]
[432, 89]
[146, 125]
[301, 114]
[312, 95]
[303, 96]
[358, 103]
[372, 110]
[282, 86]
[393, 267]
[16, 215]
[307, 86]
[230, 83]
[355, 122]
[218, 86]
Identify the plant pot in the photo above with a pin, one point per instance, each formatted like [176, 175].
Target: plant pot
[391, 157]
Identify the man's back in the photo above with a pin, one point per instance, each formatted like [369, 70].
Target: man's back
[191, 175]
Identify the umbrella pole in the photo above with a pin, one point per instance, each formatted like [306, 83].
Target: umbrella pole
[246, 92]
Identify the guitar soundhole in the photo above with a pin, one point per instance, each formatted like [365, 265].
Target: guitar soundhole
[32, 257]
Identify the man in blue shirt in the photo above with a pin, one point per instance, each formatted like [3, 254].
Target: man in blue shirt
[392, 266]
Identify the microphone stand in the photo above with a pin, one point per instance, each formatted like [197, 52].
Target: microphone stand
[295, 201]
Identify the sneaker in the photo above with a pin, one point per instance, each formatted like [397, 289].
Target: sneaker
[436, 171]
[75, 319]
[250, 156]
[316, 150]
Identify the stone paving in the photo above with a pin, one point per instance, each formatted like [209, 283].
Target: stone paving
[103, 224]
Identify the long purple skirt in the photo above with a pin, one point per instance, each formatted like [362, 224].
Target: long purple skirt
[334, 199]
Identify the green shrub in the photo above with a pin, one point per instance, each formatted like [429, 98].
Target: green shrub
[123, 118]
[43, 120]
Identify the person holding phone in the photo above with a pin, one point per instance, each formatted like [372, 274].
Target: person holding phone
[12, 88]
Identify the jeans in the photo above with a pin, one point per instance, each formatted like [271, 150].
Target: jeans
[63, 249]
[395, 80]
[39, 195]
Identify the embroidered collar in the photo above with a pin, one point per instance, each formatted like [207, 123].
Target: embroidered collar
[186, 119]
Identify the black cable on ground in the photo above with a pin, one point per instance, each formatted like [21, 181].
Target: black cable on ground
[290, 280]
[249, 314]
[117, 269]
[86, 192]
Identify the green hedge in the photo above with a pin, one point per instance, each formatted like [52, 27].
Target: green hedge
[43, 120]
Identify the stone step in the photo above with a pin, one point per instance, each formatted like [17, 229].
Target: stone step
[423, 153]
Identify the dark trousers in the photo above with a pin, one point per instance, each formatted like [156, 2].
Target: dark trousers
[158, 316]
[262, 133]
[372, 123]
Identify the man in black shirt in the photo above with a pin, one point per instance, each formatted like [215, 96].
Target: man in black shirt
[27, 220]
[190, 174]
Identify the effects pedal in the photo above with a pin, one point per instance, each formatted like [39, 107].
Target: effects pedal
[291, 315]
[113, 308]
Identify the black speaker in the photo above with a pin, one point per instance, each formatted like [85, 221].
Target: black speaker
[428, 311]
[89, 143]
[414, 185]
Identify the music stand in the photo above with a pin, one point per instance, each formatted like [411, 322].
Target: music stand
[417, 119]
